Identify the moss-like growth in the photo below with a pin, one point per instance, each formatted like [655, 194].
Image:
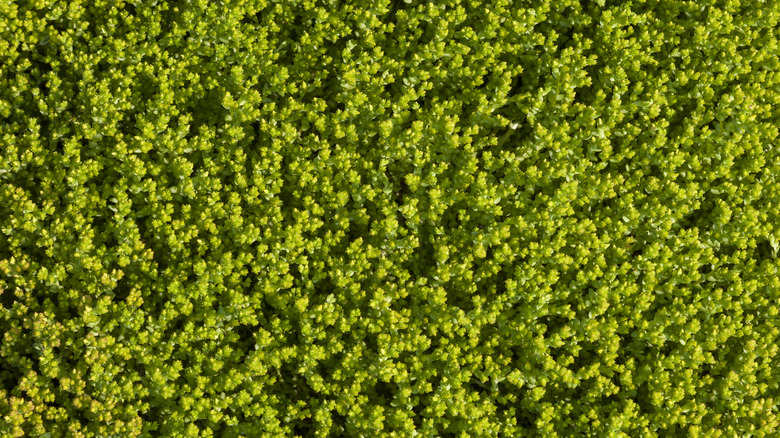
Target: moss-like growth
[389, 218]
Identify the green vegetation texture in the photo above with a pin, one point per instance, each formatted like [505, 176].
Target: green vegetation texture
[375, 218]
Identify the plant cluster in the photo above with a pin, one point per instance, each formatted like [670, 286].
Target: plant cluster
[460, 218]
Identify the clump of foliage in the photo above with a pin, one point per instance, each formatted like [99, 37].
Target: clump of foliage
[389, 218]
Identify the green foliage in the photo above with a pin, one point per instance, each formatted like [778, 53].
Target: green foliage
[389, 218]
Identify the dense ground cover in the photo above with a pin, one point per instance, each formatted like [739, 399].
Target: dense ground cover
[389, 218]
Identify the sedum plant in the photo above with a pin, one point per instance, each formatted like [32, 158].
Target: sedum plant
[315, 218]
